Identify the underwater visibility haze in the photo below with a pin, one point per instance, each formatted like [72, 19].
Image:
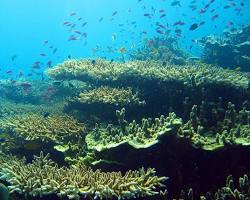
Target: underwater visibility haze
[124, 99]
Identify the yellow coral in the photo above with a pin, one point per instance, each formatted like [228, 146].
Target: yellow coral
[133, 72]
[43, 177]
[107, 95]
[52, 128]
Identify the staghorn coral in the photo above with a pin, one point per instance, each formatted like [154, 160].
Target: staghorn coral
[140, 72]
[43, 177]
[136, 135]
[107, 95]
[37, 127]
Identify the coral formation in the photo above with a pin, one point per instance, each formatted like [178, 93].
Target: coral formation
[107, 95]
[136, 135]
[142, 72]
[234, 129]
[233, 44]
[43, 177]
[10, 108]
[38, 127]
[164, 49]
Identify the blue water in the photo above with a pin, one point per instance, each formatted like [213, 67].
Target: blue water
[25, 25]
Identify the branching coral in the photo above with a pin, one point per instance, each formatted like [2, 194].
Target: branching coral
[43, 177]
[107, 95]
[136, 135]
[9, 108]
[233, 130]
[139, 72]
[37, 127]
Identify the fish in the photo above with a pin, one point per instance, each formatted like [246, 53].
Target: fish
[66, 22]
[202, 23]
[179, 31]
[46, 114]
[176, 3]
[84, 34]
[201, 11]
[45, 42]
[114, 13]
[72, 14]
[84, 24]
[9, 72]
[226, 7]
[32, 146]
[101, 19]
[181, 23]
[54, 51]
[49, 63]
[214, 17]
[163, 15]
[72, 37]
[25, 85]
[13, 57]
[122, 50]
[77, 32]
[93, 62]
[113, 37]
[150, 42]
[42, 54]
[193, 27]
[147, 15]
[36, 66]
[159, 31]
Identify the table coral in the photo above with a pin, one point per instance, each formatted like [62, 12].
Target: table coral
[138, 72]
[43, 177]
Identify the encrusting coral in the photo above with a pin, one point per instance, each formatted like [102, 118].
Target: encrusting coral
[108, 95]
[139, 72]
[136, 135]
[43, 177]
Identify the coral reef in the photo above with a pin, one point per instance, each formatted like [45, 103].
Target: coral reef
[51, 128]
[233, 44]
[135, 135]
[100, 104]
[142, 72]
[231, 191]
[234, 129]
[10, 108]
[164, 49]
[44, 177]
[107, 95]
